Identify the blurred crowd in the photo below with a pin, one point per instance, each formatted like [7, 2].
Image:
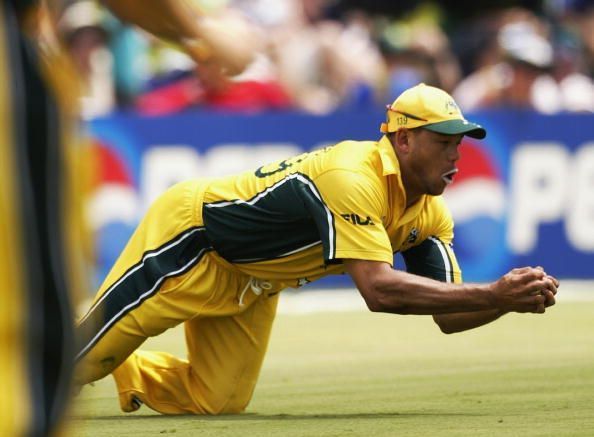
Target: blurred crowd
[321, 56]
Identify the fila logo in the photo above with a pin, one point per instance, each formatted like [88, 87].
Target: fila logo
[357, 220]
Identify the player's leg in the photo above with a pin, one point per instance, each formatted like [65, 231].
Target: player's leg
[225, 356]
[136, 300]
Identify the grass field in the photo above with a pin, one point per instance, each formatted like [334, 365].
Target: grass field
[363, 374]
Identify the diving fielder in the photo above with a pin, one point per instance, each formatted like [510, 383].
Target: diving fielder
[215, 253]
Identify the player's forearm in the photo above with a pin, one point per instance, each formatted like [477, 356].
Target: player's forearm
[404, 293]
[522, 290]
[458, 322]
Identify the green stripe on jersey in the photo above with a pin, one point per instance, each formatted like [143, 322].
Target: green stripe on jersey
[430, 259]
[287, 217]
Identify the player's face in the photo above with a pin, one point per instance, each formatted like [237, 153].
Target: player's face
[433, 158]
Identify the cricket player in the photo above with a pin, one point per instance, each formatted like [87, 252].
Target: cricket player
[215, 253]
[41, 226]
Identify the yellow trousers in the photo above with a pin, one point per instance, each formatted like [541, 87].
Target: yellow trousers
[168, 274]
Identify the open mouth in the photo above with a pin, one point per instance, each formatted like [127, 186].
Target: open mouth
[448, 177]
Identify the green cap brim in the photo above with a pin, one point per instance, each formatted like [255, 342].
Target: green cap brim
[455, 127]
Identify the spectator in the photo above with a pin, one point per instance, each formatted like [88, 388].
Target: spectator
[318, 63]
[516, 80]
[411, 59]
[86, 39]
[530, 72]
[585, 24]
[574, 55]
[325, 64]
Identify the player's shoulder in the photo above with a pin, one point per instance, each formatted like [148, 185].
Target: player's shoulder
[357, 155]
[359, 147]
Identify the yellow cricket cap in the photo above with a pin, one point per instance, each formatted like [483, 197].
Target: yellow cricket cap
[431, 108]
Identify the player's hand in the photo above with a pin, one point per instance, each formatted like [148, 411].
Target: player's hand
[550, 293]
[524, 290]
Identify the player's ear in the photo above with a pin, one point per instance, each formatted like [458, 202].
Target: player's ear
[401, 140]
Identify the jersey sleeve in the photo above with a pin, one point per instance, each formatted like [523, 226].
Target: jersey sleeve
[353, 227]
[434, 257]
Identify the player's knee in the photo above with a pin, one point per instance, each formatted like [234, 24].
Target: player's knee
[235, 406]
[233, 401]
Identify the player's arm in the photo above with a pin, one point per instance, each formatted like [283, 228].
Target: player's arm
[387, 290]
[204, 38]
[435, 259]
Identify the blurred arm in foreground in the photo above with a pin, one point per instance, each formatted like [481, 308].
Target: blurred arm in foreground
[227, 42]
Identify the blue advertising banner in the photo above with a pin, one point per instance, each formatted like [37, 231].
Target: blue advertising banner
[523, 196]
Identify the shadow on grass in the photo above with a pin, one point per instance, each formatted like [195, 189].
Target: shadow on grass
[279, 417]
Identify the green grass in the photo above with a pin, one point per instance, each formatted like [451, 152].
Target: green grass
[364, 374]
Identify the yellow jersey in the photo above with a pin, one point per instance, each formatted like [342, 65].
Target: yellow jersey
[296, 219]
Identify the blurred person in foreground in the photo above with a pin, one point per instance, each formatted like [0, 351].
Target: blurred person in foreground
[41, 181]
[214, 254]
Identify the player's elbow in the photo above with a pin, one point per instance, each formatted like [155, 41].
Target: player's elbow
[446, 329]
[373, 303]
[380, 298]
[444, 325]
